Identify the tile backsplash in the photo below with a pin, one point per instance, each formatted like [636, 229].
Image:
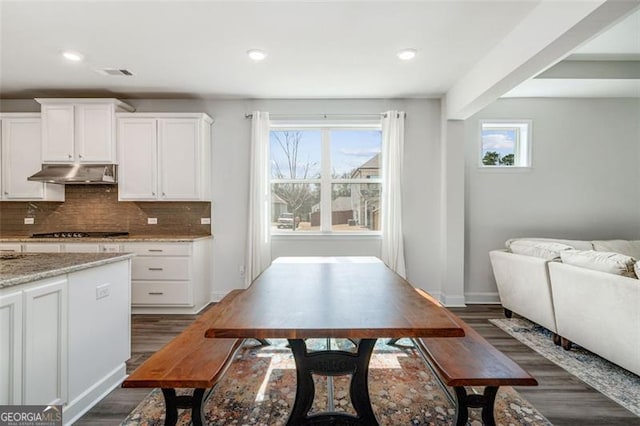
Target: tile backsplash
[96, 208]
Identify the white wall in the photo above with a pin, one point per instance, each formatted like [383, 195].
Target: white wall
[231, 137]
[584, 184]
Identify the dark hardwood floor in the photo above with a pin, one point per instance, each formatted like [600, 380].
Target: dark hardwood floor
[561, 397]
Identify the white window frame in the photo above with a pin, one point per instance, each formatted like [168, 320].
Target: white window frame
[523, 144]
[325, 180]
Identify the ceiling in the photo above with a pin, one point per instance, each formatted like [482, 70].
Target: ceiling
[197, 49]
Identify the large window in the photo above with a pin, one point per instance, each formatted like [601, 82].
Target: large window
[505, 143]
[325, 179]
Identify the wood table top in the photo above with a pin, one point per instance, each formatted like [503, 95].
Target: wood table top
[340, 297]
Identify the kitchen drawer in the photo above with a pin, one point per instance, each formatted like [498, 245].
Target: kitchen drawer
[161, 268]
[150, 249]
[81, 248]
[9, 248]
[160, 293]
[42, 248]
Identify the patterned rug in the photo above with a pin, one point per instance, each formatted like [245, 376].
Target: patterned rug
[259, 389]
[615, 382]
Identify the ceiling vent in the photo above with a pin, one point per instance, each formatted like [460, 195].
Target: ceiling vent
[114, 71]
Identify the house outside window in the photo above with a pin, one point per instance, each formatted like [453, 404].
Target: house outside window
[325, 179]
[505, 143]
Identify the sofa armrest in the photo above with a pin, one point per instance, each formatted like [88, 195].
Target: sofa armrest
[523, 286]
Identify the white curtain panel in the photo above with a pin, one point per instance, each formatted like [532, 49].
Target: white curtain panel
[258, 254]
[392, 252]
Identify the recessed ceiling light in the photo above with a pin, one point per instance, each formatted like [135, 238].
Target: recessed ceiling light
[257, 54]
[407, 54]
[72, 56]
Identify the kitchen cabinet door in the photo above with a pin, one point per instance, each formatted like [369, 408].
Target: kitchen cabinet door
[138, 169]
[179, 144]
[11, 348]
[45, 345]
[94, 124]
[58, 133]
[21, 158]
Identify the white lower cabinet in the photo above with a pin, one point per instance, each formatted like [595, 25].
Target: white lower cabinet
[170, 277]
[65, 340]
[45, 343]
[11, 348]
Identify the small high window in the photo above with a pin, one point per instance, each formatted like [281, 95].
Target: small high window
[505, 143]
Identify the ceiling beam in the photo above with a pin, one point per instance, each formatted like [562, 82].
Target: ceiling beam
[593, 69]
[547, 35]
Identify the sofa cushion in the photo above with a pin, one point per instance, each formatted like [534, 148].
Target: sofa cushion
[629, 248]
[576, 244]
[544, 249]
[613, 263]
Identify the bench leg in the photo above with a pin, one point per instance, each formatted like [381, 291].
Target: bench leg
[484, 401]
[173, 402]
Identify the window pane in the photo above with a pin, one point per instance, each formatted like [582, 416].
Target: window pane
[297, 203]
[505, 143]
[355, 153]
[355, 207]
[295, 154]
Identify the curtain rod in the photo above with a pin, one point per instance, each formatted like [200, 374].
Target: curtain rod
[324, 116]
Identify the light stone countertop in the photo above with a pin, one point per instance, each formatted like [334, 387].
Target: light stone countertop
[20, 268]
[115, 240]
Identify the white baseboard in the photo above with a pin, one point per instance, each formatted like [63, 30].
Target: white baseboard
[482, 298]
[85, 401]
[453, 301]
[216, 296]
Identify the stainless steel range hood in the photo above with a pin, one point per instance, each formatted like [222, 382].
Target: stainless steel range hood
[66, 174]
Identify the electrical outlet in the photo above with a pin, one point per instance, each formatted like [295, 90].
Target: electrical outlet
[103, 291]
[152, 221]
[205, 221]
[29, 221]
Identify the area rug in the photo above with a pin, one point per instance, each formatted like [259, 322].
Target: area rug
[615, 382]
[259, 389]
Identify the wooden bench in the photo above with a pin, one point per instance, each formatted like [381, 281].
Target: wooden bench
[470, 361]
[188, 361]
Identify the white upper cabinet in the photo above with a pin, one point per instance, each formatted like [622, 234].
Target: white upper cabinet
[164, 157]
[79, 130]
[21, 158]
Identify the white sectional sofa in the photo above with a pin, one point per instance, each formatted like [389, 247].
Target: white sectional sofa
[586, 292]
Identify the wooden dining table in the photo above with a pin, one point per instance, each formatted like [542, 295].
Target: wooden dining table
[355, 298]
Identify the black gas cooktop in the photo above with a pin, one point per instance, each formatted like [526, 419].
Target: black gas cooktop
[74, 234]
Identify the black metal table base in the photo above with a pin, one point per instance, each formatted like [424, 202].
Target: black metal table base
[173, 402]
[484, 401]
[332, 363]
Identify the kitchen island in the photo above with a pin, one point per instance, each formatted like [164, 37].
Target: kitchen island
[65, 326]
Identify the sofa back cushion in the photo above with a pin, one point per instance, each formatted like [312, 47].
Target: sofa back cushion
[576, 244]
[613, 263]
[629, 248]
[543, 249]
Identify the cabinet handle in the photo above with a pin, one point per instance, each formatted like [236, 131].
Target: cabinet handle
[156, 250]
[155, 269]
[156, 293]
[80, 156]
[70, 156]
[164, 195]
[153, 193]
[6, 193]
